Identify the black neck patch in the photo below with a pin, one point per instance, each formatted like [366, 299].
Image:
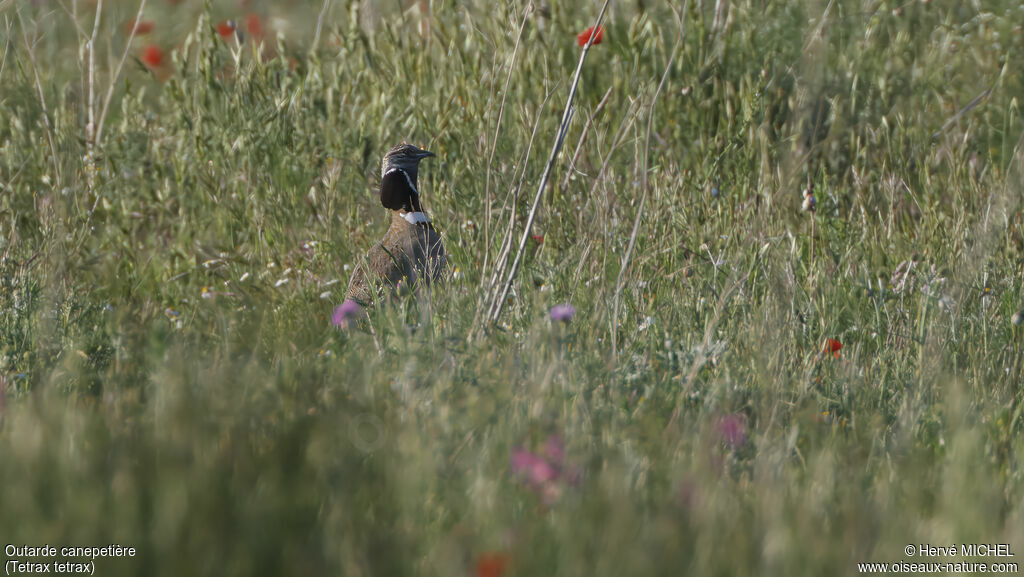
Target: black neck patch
[398, 191]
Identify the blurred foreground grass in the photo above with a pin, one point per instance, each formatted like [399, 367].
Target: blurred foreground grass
[172, 381]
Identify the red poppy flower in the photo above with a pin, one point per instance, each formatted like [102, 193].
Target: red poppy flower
[491, 564]
[152, 56]
[226, 29]
[584, 36]
[141, 27]
[833, 346]
[255, 25]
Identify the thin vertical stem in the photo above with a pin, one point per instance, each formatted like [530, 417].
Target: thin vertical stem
[42, 103]
[583, 137]
[643, 194]
[117, 74]
[494, 142]
[90, 127]
[320, 23]
[563, 129]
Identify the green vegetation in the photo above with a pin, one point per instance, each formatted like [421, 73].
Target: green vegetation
[172, 380]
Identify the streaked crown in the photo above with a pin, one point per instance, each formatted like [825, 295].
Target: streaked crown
[404, 157]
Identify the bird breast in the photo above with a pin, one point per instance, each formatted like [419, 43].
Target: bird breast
[420, 245]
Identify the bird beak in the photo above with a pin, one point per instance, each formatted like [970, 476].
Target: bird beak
[426, 154]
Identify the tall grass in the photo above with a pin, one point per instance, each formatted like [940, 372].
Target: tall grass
[172, 381]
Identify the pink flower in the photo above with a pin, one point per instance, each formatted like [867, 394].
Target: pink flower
[534, 469]
[732, 430]
[345, 314]
[543, 472]
[563, 312]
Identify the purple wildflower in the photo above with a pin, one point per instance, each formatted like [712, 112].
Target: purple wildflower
[534, 469]
[345, 313]
[543, 472]
[732, 429]
[563, 312]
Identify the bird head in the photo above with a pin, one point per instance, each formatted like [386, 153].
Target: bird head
[399, 171]
[404, 157]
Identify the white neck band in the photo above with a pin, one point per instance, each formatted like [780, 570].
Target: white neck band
[416, 217]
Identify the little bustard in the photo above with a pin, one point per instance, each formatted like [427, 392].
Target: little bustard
[411, 251]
